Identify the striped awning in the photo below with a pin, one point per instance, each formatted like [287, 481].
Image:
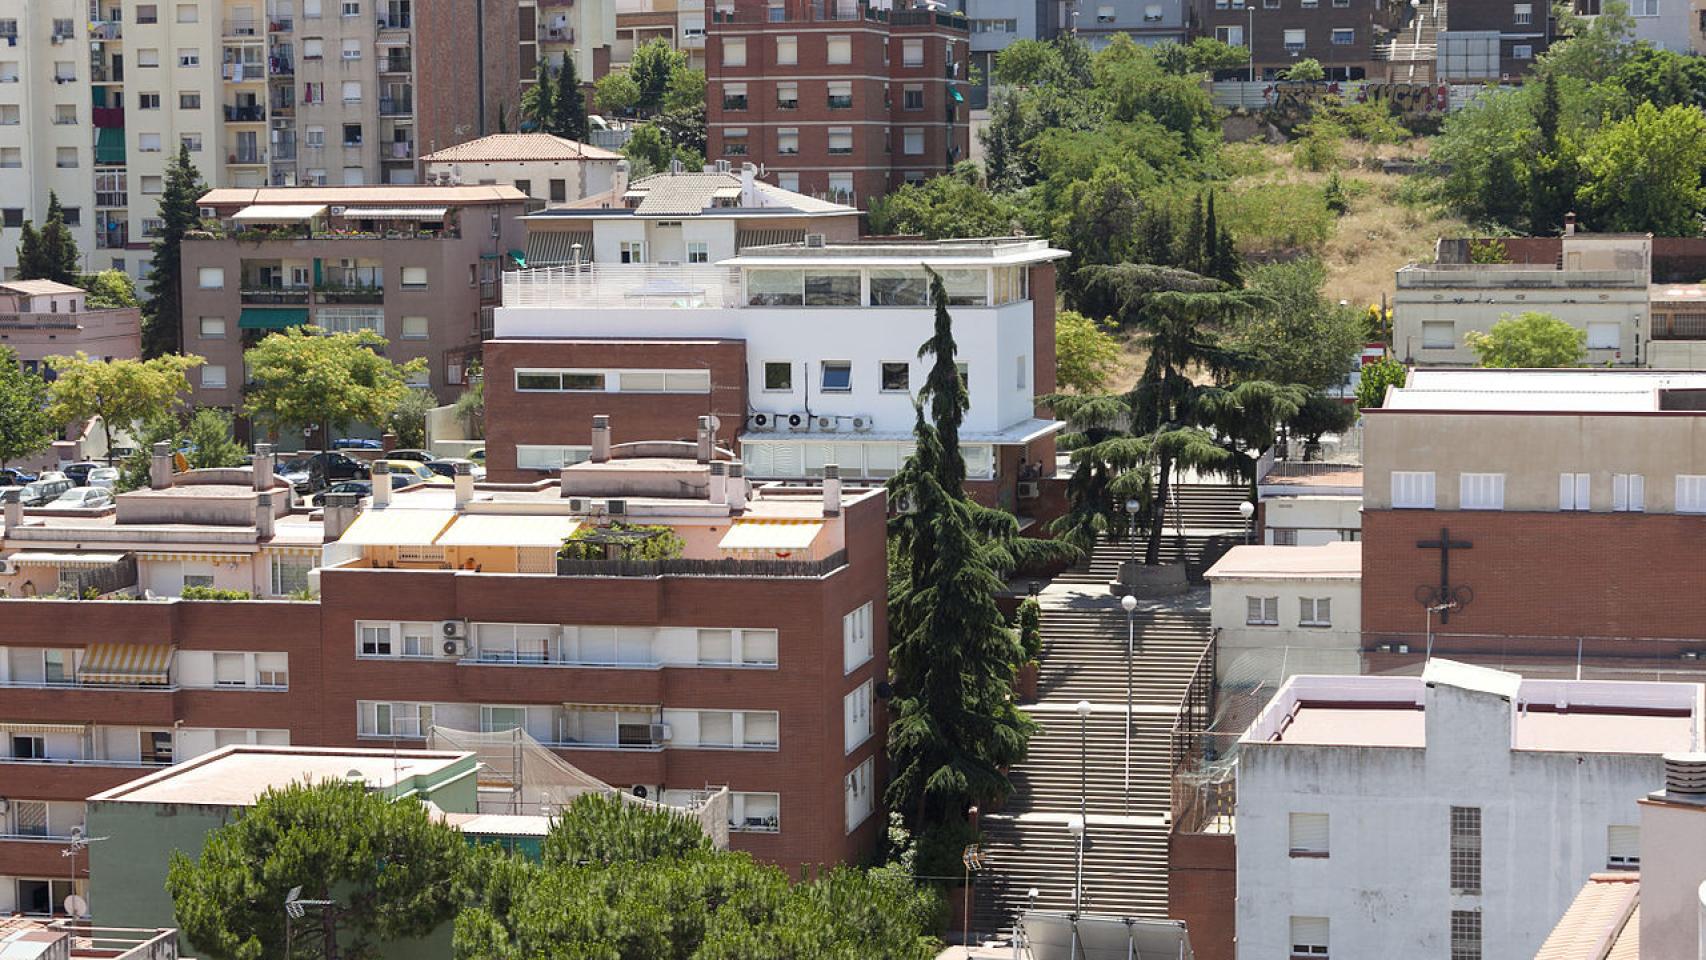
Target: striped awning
[617, 707]
[42, 728]
[765, 238]
[65, 561]
[133, 663]
[779, 533]
[395, 213]
[193, 557]
[546, 247]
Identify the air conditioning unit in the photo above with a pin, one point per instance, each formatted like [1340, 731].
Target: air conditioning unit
[1029, 489]
[7, 567]
[863, 423]
[829, 424]
[661, 733]
[337, 211]
[580, 505]
[616, 508]
[761, 422]
[903, 502]
[453, 629]
[815, 240]
[799, 420]
[453, 648]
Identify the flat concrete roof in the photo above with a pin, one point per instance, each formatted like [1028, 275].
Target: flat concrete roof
[1328, 561]
[1405, 725]
[237, 776]
[1538, 391]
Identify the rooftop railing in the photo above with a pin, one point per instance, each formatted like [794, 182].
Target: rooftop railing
[624, 286]
[770, 569]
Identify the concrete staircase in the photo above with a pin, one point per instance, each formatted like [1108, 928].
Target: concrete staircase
[1208, 515]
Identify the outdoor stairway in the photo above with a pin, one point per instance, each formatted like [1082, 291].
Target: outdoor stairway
[1027, 843]
[1212, 525]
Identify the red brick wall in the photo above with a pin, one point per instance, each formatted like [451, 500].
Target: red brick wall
[450, 71]
[566, 418]
[1202, 891]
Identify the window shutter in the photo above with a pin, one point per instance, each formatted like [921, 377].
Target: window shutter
[1309, 935]
[1566, 491]
[1623, 847]
[1253, 611]
[1637, 493]
[1309, 833]
[1583, 501]
[1689, 489]
[1620, 491]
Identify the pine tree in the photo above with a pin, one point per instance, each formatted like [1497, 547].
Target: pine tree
[1220, 257]
[568, 114]
[1158, 237]
[30, 265]
[1551, 173]
[162, 330]
[1190, 254]
[59, 255]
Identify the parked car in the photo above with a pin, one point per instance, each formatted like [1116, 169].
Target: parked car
[356, 443]
[83, 498]
[79, 472]
[363, 488]
[311, 473]
[13, 477]
[419, 456]
[478, 455]
[415, 469]
[104, 477]
[446, 467]
[43, 492]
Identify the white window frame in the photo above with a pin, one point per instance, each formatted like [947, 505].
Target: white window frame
[1315, 611]
[1574, 491]
[1413, 490]
[1481, 491]
[1310, 936]
[1622, 847]
[1261, 611]
[1690, 493]
[1628, 493]
[1310, 835]
[857, 708]
[857, 646]
[859, 793]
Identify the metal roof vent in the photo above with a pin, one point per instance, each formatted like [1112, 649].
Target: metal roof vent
[1685, 777]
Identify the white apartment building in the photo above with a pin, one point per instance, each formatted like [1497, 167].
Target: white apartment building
[1453, 814]
[549, 169]
[1282, 611]
[582, 29]
[45, 121]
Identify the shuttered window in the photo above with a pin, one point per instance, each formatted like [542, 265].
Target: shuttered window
[1482, 491]
[1308, 834]
[1262, 611]
[1623, 848]
[1628, 492]
[1309, 936]
[1690, 493]
[1573, 491]
[1412, 490]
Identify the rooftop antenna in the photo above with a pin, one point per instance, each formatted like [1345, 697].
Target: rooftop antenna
[77, 906]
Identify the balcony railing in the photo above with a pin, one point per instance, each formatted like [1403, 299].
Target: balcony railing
[281, 67]
[396, 64]
[809, 569]
[282, 25]
[246, 157]
[399, 150]
[283, 151]
[352, 294]
[624, 285]
[243, 28]
[113, 239]
[81, 761]
[106, 31]
[397, 21]
[396, 107]
[245, 114]
[275, 295]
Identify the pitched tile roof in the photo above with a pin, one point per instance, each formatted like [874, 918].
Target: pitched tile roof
[512, 147]
[689, 193]
[392, 195]
[39, 288]
[1602, 923]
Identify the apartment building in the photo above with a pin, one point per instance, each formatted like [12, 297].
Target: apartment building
[417, 265]
[1451, 814]
[1517, 516]
[45, 121]
[638, 22]
[1495, 41]
[1341, 34]
[845, 101]
[584, 30]
[660, 346]
[549, 169]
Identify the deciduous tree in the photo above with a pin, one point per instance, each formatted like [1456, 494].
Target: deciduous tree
[110, 289]
[25, 427]
[1376, 379]
[1300, 336]
[305, 377]
[1529, 339]
[122, 393]
[208, 438]
[1086, 354]
[954, 205]
[1643, 172]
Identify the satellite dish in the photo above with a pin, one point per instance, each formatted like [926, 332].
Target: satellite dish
[76, 833]
[640, 790]
[716, 423]
[76, 906]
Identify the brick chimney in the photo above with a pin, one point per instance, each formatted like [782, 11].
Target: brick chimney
[831, 490]
[705, 435]
[381, 484]
[263, 468]
[160, 467]
[340, 513]
[601, 438]
[719, 481]
[1570, 224]
[263, 516]
[464, 477]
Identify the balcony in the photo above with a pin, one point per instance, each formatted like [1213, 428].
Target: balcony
[395, 21]
[283, 151]
[113, 239]
[247, 113]
[246, 157]
[281, 67]
[242, 72]
[275, 296]
[396, 107]
[244, 29]
[352, 294]
[281, 25]
[106, 31]
[404, 64]
[397, 150]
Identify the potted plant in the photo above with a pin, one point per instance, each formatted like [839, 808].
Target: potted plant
[1031, 640]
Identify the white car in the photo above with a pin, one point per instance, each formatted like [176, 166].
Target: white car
[83, 498]
[105, 478]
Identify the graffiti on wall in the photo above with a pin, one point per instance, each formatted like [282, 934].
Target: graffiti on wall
[1407, 99]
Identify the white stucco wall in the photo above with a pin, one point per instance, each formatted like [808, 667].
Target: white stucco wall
[1249, 653]
[1673, 864]
[1316, 520]
[1472, 309]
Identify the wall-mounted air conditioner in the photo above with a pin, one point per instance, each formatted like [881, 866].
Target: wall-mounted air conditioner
[799, 421]
[829, 424]
[863, 423]
[761, 422]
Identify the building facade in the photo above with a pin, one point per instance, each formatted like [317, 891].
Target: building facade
[845, 101]
[548, 169]
[727, 340]
[41, 319]
[417, 265]
[1281, 611]
[1341, 34]
[1452, 814]
[1493, 41]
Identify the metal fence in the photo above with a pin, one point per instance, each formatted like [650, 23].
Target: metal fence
[623, 285]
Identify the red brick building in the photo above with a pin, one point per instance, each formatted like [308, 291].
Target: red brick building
[741, 664]
[844, 100]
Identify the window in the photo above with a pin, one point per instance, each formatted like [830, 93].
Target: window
[698, 251]
[56, 667]
[290, 574]
[28, 747]
[147, 58]
[1522, 13]
[775, 288]
[11, 158]
[190, 141]
[189, 57]
[1628, 493]
[352, 8]
[1465, 935]
[1308, 834]
[734, 51]
[148, 101]
[912, 53]
[147, 143]
[832, 288]
[213, 376]
[415, 328]
[856, 638]
[1622, 848]
[352, 134]
[856, 707]
[912, 97]
[1308, 936]
[1344, 36]
[1645, 8]
[65, 114]
[189, 101]
[734, 144]
[272, 669]
[1605, 335]
[861, 793]
[1439, 334]
[787, 96]
[1466, 849]
[840, 50]
[840, 141]
[1315, 612]
[230, 670]
[1295, 41]
[1021, 372]
[912, 141]
[788, 141]
[211, 278]
[1522, 51]
[778, 375]
[352, 49]
[352, 91]
[187, 13]
[1572, 491]
[1261, 611]
[896, 377]
[837, 376]
[1482, 491]
[374, 639]
[788, 180]
[29, 818]
[313, 48]
[841, 186]
[755, 812]
[147, 13]
[1690, 493]
[535, 457]
[379, 719]
[840, 94]
[787, 51]
[734, 96]
[761, 729]
[1284, 536]
[632, 251]
[1105, 14]
[9, 115]
[1412, 490]
[1152, 13]
[414, 278]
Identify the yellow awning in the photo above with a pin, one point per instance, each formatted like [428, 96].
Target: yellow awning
[397, 527]
[43, 558]
[771, 534]
[500, 530]
[42, 728]
[139, 663]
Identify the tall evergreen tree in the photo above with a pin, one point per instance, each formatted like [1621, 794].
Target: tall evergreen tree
[540, 100]
[59, 255]
[1220, 260]
[568, 113]
[162, 330]
[30, 263]
[1190, 253]
[1552, 169]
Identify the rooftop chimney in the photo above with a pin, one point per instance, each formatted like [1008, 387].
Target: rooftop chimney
[831, 490]
[1685, 777]
[381, 484]
[734, 491]
[1570, 224]
[601, 438]
[748, 188]
[339, 514]
[263, 516]
[704, 440]
[464, 478]
[263, 466]
[719, 481]
[14, 508]
[160, 467]
[619, 180]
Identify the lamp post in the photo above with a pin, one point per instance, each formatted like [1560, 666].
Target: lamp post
[1080, 835]
[1250, 39]
[1128, 603]
[1247, 510]
[1131, 507]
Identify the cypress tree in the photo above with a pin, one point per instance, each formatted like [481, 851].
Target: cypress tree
[540, 100]
[568, 114]
[162, 330]
[30, 266]
[59, 254]
[1191, 245]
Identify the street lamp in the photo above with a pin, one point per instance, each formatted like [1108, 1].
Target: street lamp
[1247, 510]
[1080, 836]
[1128, 603]
[1131, 507]
[1250, 39]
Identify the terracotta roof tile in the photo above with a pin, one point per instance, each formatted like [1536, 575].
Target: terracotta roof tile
[512, 147]
[1602, 923]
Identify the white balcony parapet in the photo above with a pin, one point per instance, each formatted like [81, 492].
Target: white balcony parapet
[624, 286]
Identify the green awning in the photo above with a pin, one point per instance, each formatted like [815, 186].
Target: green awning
[519, 257]
[957, 97]
[272, 318]
[109, 145]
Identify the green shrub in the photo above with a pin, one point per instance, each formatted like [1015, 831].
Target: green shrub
[215, 593]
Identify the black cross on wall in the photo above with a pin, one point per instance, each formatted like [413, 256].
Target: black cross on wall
[1445, 593]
